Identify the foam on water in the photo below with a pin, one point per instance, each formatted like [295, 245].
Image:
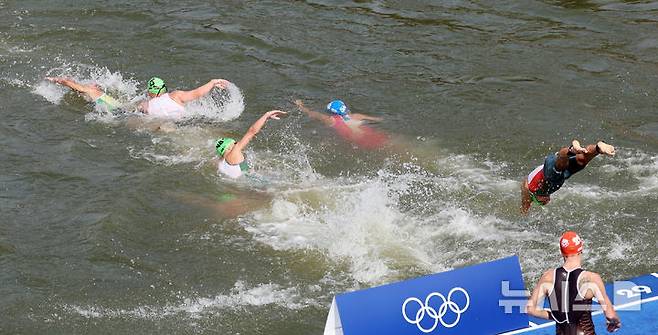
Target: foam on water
[406, 219]
[239, 297]
[639, 168]
[380, 225]
[358, 225]
[51, 92]
[186, 144]
[219, 105]
[113, 82]
[643, 167]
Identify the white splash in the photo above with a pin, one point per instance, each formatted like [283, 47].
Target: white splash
[379, 226]
[51, 92]
[218, 105]
[239, 297]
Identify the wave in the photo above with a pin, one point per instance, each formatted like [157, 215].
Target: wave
[240, 296]
[384, 227]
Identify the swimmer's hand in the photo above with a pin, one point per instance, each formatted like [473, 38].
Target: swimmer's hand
[59, 80]
[324, 117]
[612, 324]
[276, 114]
[220, 83]
[576, 148]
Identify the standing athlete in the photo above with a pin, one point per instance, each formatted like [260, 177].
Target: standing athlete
[558, 167]
[570, 290]
[162, 104]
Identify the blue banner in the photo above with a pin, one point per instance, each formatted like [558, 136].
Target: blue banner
[471, 300]
[636, 303]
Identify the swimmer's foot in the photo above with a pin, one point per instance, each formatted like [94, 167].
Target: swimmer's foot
[605, 148]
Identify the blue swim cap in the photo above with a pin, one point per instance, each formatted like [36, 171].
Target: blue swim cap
[338, 107]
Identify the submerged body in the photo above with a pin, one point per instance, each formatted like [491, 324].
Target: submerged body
[349, 126]
[356, 132]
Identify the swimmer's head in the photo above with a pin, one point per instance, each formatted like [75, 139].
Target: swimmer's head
[571, 244]
[156, 86]
[223, 144]
[338, 107]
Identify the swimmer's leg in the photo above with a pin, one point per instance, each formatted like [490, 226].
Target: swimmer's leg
[140, 123]
[526, 201]
[562, 161]
[227, 205]
[583, 155]
[418, 152]
[594, 150]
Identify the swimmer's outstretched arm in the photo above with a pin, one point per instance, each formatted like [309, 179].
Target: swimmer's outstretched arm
[235, 155]
[526, 201]
[359, 117]
[186, 96]
[91, 91]
[313, 114]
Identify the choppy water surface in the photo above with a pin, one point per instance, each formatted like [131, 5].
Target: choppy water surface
[110, 228]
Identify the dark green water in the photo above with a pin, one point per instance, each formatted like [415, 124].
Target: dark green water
[97, 233]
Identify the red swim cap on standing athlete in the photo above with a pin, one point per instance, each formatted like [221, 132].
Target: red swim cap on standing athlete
[570, 244]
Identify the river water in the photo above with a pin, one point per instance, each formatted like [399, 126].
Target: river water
[109, 228]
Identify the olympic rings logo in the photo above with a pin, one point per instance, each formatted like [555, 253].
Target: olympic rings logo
[436, 315]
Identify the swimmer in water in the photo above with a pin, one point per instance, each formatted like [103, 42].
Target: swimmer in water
[91, 92]
[570, 290]
[232, 162]
[165, 105]
[558, 167]
[350, 126]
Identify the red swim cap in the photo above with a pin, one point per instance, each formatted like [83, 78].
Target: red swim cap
[570, 244]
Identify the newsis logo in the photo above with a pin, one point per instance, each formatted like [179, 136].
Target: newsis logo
[435, 308]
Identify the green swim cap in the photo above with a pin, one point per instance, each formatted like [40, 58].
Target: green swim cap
[222, 144]
[156, 86]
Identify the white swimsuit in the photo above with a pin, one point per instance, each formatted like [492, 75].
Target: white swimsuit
[233, 171]
[165, 107]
